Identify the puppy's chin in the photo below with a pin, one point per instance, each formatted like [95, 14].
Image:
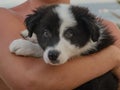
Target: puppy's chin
[57, 62]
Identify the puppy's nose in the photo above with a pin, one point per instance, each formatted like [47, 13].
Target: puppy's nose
[53, 55]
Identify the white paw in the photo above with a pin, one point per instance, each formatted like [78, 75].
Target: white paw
[24, 34]
[25, 48]
[33, 39]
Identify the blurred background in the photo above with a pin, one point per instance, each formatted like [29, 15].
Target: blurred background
[10, 3]
[108, 9]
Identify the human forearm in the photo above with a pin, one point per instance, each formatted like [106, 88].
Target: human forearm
[31, 74]
[78, 71]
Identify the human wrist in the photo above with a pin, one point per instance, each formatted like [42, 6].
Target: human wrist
[115, 56]
[109, 55]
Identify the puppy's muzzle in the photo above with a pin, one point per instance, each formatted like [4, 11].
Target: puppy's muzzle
[53, 56]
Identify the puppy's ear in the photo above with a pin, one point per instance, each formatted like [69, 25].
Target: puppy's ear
[92, 27]
[30, 23]
[88, 20]
[33, 19]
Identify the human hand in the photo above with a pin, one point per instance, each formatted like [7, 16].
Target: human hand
[115, 31]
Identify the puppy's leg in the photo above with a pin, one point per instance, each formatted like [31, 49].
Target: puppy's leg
[33, 39]
[25, 48]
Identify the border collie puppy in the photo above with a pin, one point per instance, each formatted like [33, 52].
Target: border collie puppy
[59, 32]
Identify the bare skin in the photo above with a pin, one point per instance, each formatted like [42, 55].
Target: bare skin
[27, 73]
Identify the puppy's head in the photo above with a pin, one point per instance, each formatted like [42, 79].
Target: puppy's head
[63, 31]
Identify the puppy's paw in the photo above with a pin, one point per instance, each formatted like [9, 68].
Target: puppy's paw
[25, 33]
[25, 48]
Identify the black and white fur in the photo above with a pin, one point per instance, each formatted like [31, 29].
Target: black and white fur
[59, 32]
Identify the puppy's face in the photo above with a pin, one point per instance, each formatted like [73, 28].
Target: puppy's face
[63, 31]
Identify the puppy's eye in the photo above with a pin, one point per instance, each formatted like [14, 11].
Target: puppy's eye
[68, 34]
[46, 33]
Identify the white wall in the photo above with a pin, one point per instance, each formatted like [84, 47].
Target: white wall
[90, 1]
[10, 3]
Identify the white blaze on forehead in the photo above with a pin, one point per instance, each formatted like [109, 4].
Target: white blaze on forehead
[66, 16]
[67, 20]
